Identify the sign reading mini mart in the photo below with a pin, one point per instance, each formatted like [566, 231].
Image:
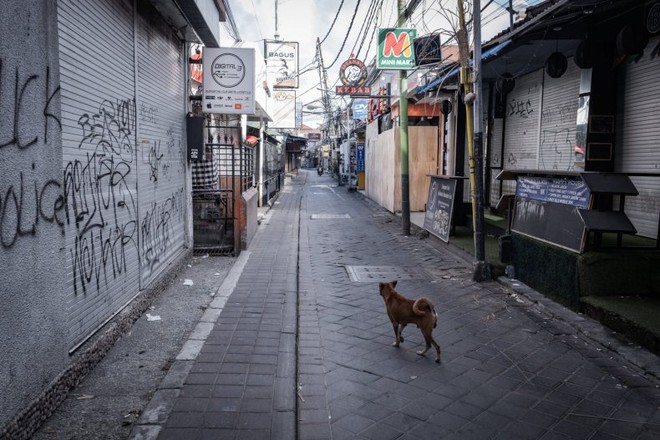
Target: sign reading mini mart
[228, 80]
[396, 49]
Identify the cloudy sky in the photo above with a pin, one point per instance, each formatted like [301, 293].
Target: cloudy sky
[304, 21]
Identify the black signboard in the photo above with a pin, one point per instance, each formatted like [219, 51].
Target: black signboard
[195, 136]
[437, 219]
[428, 49]
[547, 209]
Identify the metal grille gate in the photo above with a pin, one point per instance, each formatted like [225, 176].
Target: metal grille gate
[228, 171]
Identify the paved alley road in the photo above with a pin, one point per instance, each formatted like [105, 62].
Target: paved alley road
[302, 345]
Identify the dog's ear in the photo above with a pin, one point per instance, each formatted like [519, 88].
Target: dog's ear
[393, 283]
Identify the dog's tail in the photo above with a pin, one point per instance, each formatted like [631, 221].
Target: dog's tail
[423, 305]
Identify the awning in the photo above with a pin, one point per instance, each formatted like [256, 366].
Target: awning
[493, 51]
[259, 114]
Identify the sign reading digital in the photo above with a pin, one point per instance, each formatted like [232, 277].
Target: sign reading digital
[228, 80]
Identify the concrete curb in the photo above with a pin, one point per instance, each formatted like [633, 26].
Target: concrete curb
[157, 411]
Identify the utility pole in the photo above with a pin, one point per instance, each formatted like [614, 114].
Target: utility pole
[472, 98]
[277, 34]
[325, 96]
[481, 269]
[403, 128]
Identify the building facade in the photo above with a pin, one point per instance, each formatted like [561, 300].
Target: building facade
[94, 179]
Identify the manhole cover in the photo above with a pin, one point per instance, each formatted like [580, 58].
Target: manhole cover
[328, 216]
[365, 274]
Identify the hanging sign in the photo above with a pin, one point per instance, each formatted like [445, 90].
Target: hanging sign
[282, 107]
[359, 152]
[428, 50]
[282, 63]
[360, 108]
[396, 49]
[228, 80]
[353, 75]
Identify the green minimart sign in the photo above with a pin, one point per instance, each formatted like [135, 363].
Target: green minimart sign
[395, 48]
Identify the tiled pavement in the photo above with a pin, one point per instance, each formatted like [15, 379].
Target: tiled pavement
[302, 350]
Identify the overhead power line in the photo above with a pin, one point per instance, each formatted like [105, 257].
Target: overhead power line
[333, 21]
[350, 26]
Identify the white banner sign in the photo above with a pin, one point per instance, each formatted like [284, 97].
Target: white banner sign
[282, 108]
[282, 63]
[228, 80]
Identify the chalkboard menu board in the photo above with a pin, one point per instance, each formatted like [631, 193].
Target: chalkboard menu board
[547, 208]
[439, 207]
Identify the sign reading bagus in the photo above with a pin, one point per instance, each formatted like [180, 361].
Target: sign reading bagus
[395, 48]
[282, 63]
[228, 80]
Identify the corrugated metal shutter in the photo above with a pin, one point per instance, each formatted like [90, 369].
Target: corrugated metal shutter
[638, 135]
[522, 118]
[496, 160]
[161, 158]
[99, 159]
[558, 120]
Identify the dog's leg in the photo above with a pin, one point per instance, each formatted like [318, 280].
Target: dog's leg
[423, 352]
[396, 334]
[430, 341]
[437, 351]
[401, 327]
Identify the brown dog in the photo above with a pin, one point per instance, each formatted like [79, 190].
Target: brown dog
[402, 311]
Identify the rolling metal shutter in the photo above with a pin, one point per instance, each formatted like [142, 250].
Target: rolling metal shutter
[496, 160]
[99, 159]
[522, 119]
[638, 137]
[558, 120]
[123, 106]
[161, 156]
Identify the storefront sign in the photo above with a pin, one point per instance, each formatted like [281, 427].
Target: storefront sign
[572, 192]
[360, 109]
[359, 165]
[428, 50]
[282, 63]
[282, 106]
[439, 207]
[395, 48]
[228, 80]
[353, 74]
[546, 208]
